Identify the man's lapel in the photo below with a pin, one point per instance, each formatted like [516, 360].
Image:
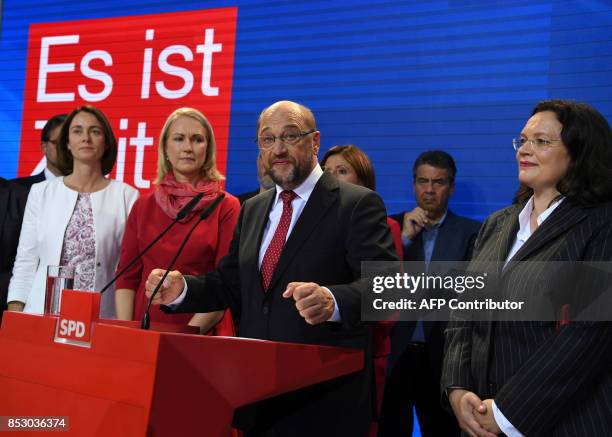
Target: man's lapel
[444, 237]
[257, 219]
[416, 250]
[4, 200]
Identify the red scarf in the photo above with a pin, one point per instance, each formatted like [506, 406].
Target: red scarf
[171, 195]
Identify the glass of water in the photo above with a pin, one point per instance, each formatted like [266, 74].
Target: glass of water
[58, 278]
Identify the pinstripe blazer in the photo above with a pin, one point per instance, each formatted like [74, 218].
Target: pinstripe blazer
[546, 381]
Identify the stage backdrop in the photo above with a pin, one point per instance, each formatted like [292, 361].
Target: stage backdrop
[393, 77]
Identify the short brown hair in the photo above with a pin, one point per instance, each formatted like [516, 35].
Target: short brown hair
[358, 160]
[65, 161]
[437, 159]
[52, 123]
[209, 168]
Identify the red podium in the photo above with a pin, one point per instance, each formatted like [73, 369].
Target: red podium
[135, 383]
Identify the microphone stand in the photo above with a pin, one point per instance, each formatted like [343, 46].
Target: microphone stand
[181, 215]
[146, 322]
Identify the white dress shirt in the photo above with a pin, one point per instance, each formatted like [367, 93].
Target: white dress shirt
[303, 191]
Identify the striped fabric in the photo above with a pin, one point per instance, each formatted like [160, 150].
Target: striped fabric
[547, 381]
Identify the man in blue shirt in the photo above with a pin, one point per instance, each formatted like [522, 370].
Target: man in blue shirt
[430, 232]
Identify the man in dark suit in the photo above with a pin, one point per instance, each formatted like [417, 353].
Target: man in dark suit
[12, 204]
[293, 274]
[49, 138]
[430, 232]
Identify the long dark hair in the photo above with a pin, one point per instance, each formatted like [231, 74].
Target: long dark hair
[588, 140]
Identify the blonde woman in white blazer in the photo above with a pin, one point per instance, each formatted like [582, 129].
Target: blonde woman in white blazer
[77, 220]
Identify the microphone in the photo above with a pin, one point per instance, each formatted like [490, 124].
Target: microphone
[179, 216]
[146, 322]
[190, 205]
[210, 208]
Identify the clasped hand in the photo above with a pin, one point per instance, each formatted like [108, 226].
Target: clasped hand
[474, 416]
[169, 291]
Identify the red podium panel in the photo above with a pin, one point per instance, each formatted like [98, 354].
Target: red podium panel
[135, 383]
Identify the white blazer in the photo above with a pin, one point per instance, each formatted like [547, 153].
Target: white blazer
[49, 208]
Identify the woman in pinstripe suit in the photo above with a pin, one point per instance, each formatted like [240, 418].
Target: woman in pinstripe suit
[536, 378]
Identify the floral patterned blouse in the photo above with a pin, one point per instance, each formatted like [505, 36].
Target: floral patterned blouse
[79, 248]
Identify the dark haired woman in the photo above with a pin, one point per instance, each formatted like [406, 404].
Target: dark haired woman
[540, 378]
[76, 220]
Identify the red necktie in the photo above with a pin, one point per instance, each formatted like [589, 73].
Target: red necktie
[273, 252]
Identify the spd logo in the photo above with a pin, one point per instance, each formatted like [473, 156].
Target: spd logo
[68, 328]
[78, 313]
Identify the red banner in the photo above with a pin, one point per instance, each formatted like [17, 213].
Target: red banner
[137, 70]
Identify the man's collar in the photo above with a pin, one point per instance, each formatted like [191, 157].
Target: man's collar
[48, 174]
[437, 225]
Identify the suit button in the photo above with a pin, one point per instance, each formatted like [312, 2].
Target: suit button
[492, 389]
[98, 264]
[265, 310]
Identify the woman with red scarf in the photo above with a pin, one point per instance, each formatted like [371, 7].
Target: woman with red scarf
[185, 167]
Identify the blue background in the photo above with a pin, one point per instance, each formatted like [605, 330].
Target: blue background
[393, 77]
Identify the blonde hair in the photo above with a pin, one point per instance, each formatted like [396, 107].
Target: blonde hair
[209, 168]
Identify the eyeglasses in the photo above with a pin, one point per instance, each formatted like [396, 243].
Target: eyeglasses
[290, 138]
[536, 143]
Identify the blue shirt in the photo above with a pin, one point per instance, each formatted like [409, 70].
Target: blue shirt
[429, 237]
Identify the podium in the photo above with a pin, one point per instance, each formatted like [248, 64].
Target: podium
[132, 382]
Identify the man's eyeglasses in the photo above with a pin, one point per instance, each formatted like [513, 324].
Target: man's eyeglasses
[536, 143]
[290, 138]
